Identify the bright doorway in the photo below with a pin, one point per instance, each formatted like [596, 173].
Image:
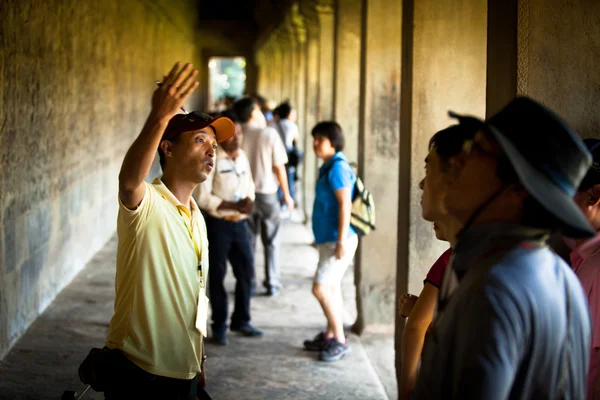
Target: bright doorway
[227, 77]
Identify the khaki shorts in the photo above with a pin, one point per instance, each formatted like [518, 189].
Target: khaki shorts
[330, 270]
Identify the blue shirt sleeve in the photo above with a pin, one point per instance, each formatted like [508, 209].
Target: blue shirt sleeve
[341, 175]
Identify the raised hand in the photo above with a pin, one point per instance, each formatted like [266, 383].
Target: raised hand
[173, 91]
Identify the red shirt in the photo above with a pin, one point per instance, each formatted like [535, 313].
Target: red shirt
[436, 273]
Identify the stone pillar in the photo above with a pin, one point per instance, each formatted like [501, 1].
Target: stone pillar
[262, 79]
[444, 68]
[299, 87]
[288, 69]
[501, 54]
[348, 22]
[311, 111]
[326, 58]
[379, 161]
[276, 71]
[266, 82]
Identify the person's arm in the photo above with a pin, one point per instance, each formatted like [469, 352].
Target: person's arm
[345, 208]
[279, 160]
[295, 132]
[281, 175]
[413, 337]
[166, 100]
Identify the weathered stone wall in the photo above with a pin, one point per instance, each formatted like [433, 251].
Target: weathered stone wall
[379, 147]
[346, 109]
[448, 73]
[77, 77]
[558, 58]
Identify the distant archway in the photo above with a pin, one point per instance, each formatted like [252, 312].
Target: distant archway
[227, 81]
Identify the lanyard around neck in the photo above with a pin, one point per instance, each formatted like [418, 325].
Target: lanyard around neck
[187, 220]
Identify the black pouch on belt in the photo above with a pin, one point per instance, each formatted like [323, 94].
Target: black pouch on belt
[97, 368]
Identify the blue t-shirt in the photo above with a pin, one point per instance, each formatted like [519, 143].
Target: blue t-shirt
[335, 174]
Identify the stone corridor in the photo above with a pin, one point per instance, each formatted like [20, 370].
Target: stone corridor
[44, 362]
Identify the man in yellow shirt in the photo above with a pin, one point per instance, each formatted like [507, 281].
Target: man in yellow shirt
[162, 257]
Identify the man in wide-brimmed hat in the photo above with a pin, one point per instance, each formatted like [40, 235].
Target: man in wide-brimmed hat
[512, 319]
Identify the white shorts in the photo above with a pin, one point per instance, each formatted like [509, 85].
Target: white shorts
[330, 270]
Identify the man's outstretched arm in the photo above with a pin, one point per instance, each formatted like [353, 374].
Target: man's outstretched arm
[166, 100]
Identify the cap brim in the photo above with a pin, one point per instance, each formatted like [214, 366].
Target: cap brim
[224, 128]
[546, 192]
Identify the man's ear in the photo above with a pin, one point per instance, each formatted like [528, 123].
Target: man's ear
[454, 167]
[166, 147]
[594, 193]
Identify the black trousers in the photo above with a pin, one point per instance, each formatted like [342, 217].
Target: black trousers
[132, 382]
[229, 241]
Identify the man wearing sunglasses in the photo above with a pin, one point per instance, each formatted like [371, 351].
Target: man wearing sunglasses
[161, 307]
[512, 320]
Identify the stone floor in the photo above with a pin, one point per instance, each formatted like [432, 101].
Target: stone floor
[44, 362]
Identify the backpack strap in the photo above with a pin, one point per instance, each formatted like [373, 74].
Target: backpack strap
[326, 171]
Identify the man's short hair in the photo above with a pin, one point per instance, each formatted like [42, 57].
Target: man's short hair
[592, 177]
[231, 115]
[243, 108]
[449, 142]
[332, 131]
[283, 110]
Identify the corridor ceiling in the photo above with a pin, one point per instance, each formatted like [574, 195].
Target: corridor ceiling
[260, 16]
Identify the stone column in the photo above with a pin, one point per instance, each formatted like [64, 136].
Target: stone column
[444, 69]
[299, 86]
[379, 161]
[311, 111]
[348, 72]
[276, 71]
[267, 66]
[262, 79]
[501, 54]
[288, 68]
[326, 58]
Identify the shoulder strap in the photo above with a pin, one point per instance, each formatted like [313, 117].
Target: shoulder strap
[564, 376]
[280, 131]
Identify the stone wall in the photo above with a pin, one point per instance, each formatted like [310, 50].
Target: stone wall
[558, 58]
[448, 73]
[77, 77]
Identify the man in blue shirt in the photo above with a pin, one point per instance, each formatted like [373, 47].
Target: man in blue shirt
[512, 320]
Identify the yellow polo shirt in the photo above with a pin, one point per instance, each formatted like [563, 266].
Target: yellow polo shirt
[158, 284]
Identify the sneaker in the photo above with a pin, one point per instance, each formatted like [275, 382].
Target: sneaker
[334, 350]
[247, 330]
[317, 343]
[272, 292]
